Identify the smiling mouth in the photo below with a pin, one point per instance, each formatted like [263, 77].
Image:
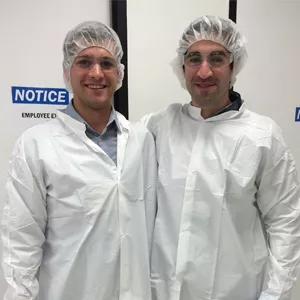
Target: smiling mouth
[96, 86]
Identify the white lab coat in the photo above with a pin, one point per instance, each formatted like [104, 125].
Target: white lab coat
[74, 225]
[228, 220]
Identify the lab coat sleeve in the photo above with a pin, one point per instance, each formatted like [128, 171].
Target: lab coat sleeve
[23, 226]
[150, 184]
[145, 120]
[153, 121]
[278, 198]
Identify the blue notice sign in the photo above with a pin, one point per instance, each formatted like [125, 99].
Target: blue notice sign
[33, 95]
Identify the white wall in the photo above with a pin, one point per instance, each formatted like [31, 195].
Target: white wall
[270, 82]
[32, 34]
[154, 29]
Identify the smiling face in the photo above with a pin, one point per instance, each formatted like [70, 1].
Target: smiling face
[94, 78]
[207, 73]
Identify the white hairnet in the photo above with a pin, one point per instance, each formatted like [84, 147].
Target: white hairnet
[89, 34]
[218, 30]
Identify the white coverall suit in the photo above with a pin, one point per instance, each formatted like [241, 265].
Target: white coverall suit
[75, 224]
[228, 220]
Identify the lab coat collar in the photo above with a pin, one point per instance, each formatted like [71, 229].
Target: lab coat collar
[123, 124]
[195, 113]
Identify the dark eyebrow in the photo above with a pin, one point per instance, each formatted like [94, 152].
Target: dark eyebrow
[219, 52]
[197, 53]
[194, 53]
[107, 57]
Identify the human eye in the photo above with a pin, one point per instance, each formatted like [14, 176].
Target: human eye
[193, 59]
[217, 60]
[107, 64]
[84, 63]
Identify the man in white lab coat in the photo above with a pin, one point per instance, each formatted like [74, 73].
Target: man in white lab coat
[228, 219]
[78, 218]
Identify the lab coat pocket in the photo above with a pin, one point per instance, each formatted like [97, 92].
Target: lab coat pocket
[98, 201]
